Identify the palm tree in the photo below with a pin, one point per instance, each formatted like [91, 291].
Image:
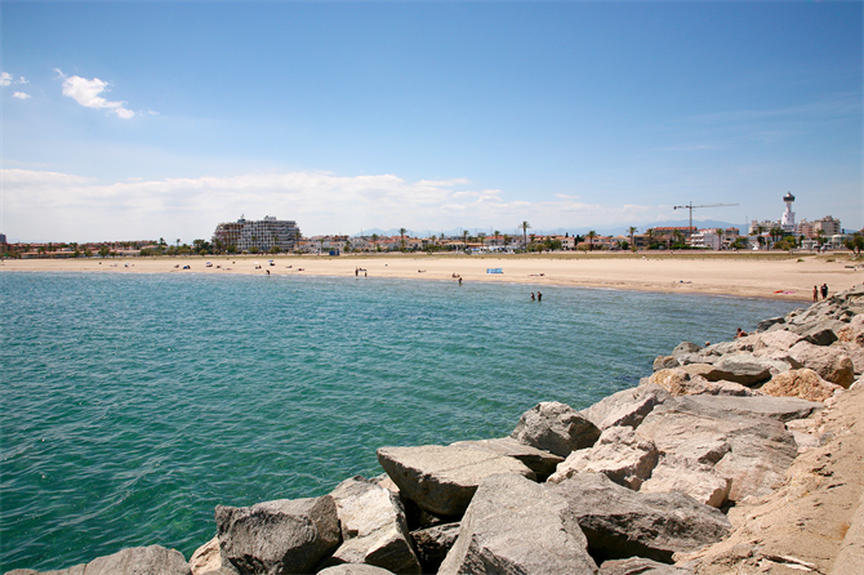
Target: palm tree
[632, 231]
[649, 233]
[525, 226]
[402, 238]
[591, 235]
[496, 233]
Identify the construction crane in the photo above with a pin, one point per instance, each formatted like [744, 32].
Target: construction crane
[691, 207]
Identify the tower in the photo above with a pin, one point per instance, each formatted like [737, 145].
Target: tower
[787, 222]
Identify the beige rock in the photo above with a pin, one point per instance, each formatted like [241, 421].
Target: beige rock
[804, 383]
[830, 362]
[206, 558]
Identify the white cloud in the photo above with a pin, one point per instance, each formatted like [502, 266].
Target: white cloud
[20, 95]
[87, 93]
[5, 79]
[45, 206]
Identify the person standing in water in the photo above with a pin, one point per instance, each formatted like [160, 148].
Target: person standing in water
[539, 297]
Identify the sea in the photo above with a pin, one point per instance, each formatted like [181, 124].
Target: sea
[132, 404]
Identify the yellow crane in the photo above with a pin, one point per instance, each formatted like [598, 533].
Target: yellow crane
[691, 207]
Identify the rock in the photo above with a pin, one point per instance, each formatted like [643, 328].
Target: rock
[151, 560]
[801, 383]
[640, 566]
[665, 362]
[515, 526]
[600, 411]
[831, 363]
[752, 450]
[621, 523]
[779, 408]
[743, 368]
[631, 414]
[620, 454]
[354, 569]
[821, 334]
[207, 558]
[374, 528]
[542, 463]
[442, 479]
[555, 427]
[686, 347]
[693, 478]
[679, 382]
[781, 340]
[283, 536]
[433, 543]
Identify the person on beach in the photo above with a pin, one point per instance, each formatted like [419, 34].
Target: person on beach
[815, 294]
[740, 333]
[460, 280]
[532, 297]
[824, 291]
[539, 297]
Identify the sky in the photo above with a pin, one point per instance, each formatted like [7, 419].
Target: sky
[138, 120]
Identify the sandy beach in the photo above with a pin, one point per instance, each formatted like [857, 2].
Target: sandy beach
[778, 276]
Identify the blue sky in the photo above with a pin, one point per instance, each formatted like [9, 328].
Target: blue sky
[131, 120]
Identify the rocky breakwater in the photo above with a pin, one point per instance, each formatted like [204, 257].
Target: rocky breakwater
[740, 457]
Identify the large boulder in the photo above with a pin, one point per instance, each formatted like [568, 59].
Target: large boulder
[621, 523]
[779, 408]
[695, 478]
[750, 449]
[620, 454]
[831, 363]
[555, 427]
[541, 462]
[207, 558]
[515, 526]
[778, 340]
[442, 479]
[283, 536]
[601, 413]
[680, 382]
[151, 560]
[374, 528]
[801, 383]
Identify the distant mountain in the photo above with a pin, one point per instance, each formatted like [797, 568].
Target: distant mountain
[603, 231]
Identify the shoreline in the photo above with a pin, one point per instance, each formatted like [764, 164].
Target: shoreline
[744, 275]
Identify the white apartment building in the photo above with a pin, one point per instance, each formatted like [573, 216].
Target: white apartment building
[261, 235]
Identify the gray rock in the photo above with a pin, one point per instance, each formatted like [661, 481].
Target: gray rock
[600, 411]
[779, 408]
[354, 569]
[151, 560]
[665, 362]
[781, 340]
[442, 479]
[542, 463]
[743, 368]
[641, 566]
[515, 526]
[821, 334]
[621, 523]
[831, 363]
[555, 427]
[686, 347]
[620, 454]
[433, 543]
[283, 536]
[374, 528]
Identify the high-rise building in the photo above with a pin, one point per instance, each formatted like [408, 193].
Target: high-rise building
[257, 235]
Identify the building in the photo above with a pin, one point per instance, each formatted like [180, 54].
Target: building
[257, 235]
[787, 220]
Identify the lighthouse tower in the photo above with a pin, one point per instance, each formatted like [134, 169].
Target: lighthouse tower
[787, 222]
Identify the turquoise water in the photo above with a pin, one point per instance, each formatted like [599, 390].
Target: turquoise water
[133, 404]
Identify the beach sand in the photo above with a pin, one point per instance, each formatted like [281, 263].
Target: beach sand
[778, 276]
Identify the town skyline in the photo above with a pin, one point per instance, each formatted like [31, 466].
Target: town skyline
[132, 119]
